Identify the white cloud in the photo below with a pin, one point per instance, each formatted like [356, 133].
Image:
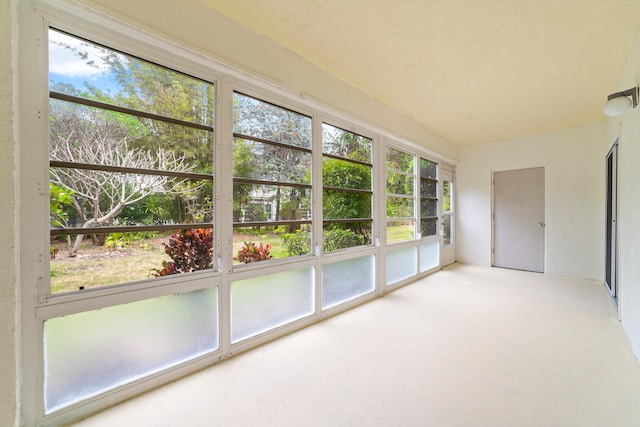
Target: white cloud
[63, 60]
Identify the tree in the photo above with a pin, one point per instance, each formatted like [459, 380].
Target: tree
[92, 136]
[271, 162]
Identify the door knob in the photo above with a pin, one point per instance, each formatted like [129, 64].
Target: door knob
[540, 224]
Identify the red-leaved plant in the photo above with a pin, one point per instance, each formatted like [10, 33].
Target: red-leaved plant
[190, 250]
[252, 252]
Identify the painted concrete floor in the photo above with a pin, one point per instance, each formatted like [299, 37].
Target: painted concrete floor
[467, 346]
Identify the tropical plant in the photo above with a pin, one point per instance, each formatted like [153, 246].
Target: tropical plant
[190, 250]
[252, 252]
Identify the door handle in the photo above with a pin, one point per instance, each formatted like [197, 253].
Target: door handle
[540, 224]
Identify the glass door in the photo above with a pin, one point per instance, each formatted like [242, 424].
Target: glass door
[611, 264]
[448, 219]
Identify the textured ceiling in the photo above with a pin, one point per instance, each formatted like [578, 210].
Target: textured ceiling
[471, 71]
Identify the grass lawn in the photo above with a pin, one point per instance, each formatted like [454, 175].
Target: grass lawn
[97, 266]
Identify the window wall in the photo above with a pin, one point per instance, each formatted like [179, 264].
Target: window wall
[159, 172]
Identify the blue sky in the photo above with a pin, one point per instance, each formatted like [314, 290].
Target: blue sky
[67, 67]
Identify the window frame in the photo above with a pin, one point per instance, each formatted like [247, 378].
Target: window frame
[371, 192]
[109, 107]
[414, 197]
[37, 307]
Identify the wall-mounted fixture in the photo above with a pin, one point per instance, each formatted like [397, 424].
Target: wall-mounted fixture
[618, 103]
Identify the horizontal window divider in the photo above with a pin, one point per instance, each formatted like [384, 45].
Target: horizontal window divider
[270, 183]
[126, 229]
[117, 108]
[360, 162]
[124, 293]
[109, 168]
[401, 172]
[403, 196]
[274, 143]
[271, 223]
[429, 217]
[348, 190]
[429, 198]
[345, 220]
[424, 178]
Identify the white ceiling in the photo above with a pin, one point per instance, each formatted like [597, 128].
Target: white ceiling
[470, 70]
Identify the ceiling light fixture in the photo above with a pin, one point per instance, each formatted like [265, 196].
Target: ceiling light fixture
[618, 103]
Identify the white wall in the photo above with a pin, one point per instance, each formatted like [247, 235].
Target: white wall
[8, 302]
[574, 197]
[627, 128]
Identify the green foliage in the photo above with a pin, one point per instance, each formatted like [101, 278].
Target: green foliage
[121, 240]
[341, 204]
[252, 252]
[298, 243]
[59, 201]
[190, 250]
[335, 239]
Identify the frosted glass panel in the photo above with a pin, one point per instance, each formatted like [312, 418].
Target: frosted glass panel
[263, 303]
[401, 263]
[344, 280]
[91, 352]
[429, 255]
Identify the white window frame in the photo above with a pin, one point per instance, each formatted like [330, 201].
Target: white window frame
[34, 20]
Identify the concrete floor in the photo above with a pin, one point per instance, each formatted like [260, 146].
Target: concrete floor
[467, 346]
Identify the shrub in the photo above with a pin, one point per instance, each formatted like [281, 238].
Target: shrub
[190, 250]
[337, 238]
[251, 252]
[298, 243]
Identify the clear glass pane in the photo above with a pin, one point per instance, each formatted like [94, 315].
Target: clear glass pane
[345, 174]
[339, 142]
[399, 231]
[429, 255]
[257, 160]
[446, 229]
[109, 259]
[429, 227]
[400, 207]
[92, 198]
[428, 208]
[263, 303]
[345, 280]
[428, 169]
[345, 205]
[82, 134]
[89, 353]
[342, 235]
[261, 119]
[84, 69]
[447, 187]
[398, 183]
[428, 188]
[401, 264]
[265, 203]
[399, 161]
[251, 244]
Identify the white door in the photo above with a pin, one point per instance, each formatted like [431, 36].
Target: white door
[448, 219]
[518, 219]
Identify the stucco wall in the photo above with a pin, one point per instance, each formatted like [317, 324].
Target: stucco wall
[574, 197]
[8, 304]
[627, 129]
